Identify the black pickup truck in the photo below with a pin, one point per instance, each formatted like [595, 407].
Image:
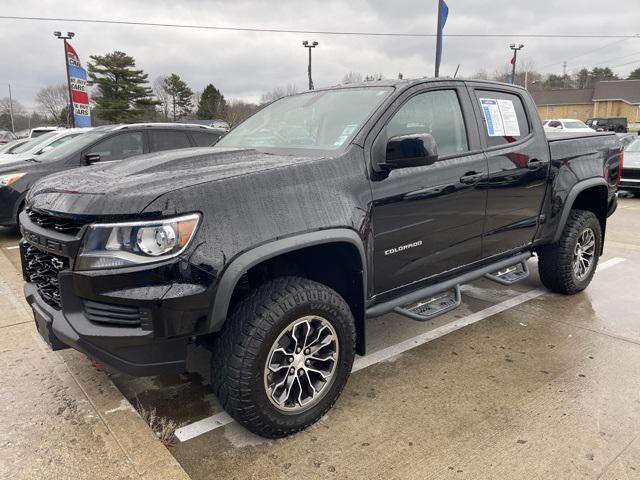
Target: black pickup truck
[272, 248]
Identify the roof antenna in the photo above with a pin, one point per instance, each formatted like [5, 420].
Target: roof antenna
[456, 74]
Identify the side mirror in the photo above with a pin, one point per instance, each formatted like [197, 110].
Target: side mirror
[414, 150]
[90, 158]
[48, 148]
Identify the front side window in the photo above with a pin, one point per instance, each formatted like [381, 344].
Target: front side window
[322, 120]
[575, 124]
[437, 113]
[119, 147]
[504, 117]
[203, 139]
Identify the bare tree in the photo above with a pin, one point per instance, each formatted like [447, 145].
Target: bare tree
[278, 92]
[53, 102]
[162, 96]
[239, 110]
[352, 77]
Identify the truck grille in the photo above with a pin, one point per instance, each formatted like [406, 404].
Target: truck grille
[42, 269]
[106, 313]
[59, 224]
[633, 173]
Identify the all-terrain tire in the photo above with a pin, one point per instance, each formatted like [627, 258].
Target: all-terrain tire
[241, 349]
[556, 261]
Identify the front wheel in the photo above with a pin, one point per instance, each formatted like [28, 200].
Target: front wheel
[569, 265]
[283, 356]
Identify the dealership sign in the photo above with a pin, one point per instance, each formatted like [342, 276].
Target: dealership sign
[78, 87]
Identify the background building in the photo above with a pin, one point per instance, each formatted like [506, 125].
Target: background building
[615, 98]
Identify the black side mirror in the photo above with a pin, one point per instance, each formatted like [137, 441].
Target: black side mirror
[90, 158]
[414, 150]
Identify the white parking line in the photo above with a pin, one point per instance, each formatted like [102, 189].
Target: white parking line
[15, 247]
[223, 418]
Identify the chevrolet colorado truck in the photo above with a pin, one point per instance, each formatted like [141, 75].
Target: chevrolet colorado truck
[271, 249]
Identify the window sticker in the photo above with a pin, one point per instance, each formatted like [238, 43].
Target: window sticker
[500, 117]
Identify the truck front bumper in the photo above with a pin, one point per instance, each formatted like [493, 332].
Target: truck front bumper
[138, 320]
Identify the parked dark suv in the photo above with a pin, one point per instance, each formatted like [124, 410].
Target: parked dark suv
[613, 124]
[102, 144]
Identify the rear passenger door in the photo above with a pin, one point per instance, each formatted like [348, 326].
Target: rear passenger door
[518, 158]
[160, 140]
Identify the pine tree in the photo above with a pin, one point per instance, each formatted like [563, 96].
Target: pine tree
[635, 75]
[212, 104]
[179, 96]
[122, 92]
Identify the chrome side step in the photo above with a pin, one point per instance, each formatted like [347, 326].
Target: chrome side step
[433, 300]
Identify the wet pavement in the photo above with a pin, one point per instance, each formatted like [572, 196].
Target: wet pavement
[534, 385]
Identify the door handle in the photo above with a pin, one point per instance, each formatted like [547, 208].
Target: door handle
[471, 177]
[535, 164]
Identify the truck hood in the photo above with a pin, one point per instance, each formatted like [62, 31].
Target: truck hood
[127, 187]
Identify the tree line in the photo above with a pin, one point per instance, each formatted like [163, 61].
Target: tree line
[122, 93]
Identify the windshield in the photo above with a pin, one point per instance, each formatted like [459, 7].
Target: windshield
[633, 146]
[574, 124]
[72, 146]
[324, 120]
[25, 147]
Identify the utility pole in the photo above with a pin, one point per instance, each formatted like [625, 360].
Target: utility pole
[69, 36]
[564, 74]
[310, 45]
[514, 60]
[13, 128]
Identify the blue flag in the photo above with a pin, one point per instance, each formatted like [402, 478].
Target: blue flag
[443, 14]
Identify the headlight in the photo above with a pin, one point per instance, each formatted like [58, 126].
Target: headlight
[114, 245]
[10, 178]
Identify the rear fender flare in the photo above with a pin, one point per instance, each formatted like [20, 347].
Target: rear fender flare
[576, 190]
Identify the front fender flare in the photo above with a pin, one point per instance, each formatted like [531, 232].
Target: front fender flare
[243, 262]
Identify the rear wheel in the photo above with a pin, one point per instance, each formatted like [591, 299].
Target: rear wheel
[569, 265]
[284, 356]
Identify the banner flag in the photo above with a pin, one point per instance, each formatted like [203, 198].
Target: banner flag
[443, 14]
[78, 85]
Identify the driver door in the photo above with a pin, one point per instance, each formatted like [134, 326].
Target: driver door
[429, 219]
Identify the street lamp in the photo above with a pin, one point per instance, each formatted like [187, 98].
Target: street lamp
[309, 45]
[515, 49]
[64, 38]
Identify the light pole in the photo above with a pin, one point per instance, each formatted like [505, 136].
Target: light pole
[310, 45]
[514, 60]
[69, 36]
[13, 127]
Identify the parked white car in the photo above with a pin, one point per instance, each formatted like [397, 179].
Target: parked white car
[568, 125]
[43, 143]
[39, 131]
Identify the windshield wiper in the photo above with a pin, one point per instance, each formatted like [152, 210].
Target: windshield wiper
[31, 159]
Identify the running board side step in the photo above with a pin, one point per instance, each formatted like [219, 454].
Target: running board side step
[427, 309]
[438, 300]
[509, 275]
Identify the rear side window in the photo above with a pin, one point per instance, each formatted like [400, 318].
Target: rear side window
[504, 117]
[167, 140]
[203, 139]
[438, 113]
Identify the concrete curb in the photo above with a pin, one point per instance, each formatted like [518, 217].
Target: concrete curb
[139, 446]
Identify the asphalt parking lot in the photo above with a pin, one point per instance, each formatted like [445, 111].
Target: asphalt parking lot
[516, 383]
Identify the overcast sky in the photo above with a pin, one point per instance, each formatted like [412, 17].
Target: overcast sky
[243, 65]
